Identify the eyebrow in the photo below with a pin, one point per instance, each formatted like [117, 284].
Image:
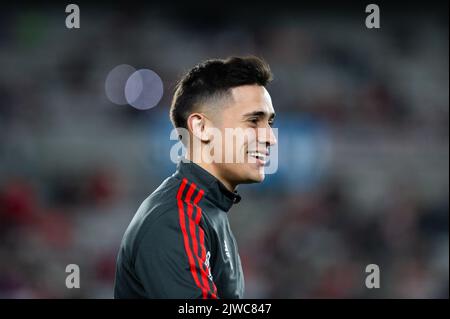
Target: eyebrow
[260, 114]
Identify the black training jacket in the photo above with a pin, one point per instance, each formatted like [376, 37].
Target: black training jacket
[179, 243]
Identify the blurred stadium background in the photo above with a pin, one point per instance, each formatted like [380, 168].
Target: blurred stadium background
[363, 143]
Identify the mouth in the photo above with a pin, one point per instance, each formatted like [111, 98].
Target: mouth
[261, 157]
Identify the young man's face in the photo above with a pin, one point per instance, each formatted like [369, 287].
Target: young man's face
[250, 112]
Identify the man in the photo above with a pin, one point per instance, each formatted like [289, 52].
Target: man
[179, 244]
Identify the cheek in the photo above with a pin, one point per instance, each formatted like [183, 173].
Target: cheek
[250, 143]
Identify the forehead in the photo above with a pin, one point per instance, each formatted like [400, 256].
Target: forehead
[247, 98]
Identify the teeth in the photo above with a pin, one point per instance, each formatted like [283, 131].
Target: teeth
[258, 154]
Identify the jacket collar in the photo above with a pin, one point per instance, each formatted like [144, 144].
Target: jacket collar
[214, 189]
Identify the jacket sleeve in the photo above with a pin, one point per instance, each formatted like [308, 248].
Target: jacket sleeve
[172, 259]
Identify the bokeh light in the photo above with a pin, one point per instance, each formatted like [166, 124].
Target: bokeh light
[144, 89]
[115, 83]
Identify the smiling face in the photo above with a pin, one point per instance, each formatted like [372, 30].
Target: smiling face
[218, 96]
[249, 111]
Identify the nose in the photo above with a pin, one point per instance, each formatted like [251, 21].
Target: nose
[268, 137]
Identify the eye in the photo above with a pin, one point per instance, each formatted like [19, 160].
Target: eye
[271, 123]
[253, 121]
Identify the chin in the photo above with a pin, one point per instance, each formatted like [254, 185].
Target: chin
[261, 177]
[250, 174]
[257, 177]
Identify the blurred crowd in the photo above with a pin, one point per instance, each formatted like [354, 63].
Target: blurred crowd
[363, 167]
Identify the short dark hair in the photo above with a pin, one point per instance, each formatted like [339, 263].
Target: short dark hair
[213, 79]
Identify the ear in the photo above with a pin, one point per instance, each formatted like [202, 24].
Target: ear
[197, 125]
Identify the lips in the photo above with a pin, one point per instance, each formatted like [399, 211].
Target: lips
[261, 156]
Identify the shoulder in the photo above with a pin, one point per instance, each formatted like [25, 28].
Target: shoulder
[155, 214]
[163, 216]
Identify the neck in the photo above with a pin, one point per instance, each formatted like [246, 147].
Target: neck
[212, 169]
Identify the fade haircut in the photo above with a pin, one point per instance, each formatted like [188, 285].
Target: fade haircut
[211, 81]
